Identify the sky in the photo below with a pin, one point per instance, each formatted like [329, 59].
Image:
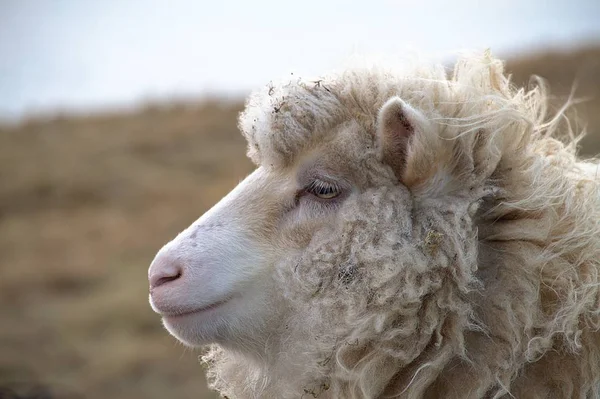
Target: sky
[94, 54]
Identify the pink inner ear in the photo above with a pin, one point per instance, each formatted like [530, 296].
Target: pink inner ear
[394, 130]
[408, 128]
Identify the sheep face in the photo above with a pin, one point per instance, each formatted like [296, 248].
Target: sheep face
[322, 220]
[215, 280]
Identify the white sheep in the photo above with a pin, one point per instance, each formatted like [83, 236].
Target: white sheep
[404, 235]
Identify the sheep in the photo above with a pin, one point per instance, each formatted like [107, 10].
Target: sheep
[405, 234]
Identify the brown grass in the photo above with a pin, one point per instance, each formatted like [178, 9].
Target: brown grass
[85, 202]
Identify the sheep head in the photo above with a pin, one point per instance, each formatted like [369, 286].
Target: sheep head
[220, 269]
[351, 244]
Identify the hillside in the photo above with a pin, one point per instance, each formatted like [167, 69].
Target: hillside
[86, 201]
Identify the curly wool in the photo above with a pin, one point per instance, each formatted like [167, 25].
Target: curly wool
[477, 277]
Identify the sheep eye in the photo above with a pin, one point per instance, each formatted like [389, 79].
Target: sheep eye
[323, 190]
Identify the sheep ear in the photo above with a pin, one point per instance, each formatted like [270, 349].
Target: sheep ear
[394, 129]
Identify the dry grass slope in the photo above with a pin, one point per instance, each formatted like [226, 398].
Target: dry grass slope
[85, 202]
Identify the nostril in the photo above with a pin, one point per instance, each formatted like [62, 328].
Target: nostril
[163, 280]
[165, 268]
[164, 276]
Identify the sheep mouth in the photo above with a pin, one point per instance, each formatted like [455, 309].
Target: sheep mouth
[184, 312]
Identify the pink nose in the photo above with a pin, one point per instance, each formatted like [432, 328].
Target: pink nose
[163, 270]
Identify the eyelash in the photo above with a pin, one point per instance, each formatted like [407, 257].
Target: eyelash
[322, 190]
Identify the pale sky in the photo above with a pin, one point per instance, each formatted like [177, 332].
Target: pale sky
[82, 54]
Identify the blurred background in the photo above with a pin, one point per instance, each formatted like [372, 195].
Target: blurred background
[118, 129]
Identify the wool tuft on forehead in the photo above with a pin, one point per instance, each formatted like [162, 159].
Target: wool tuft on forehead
[281, 120]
